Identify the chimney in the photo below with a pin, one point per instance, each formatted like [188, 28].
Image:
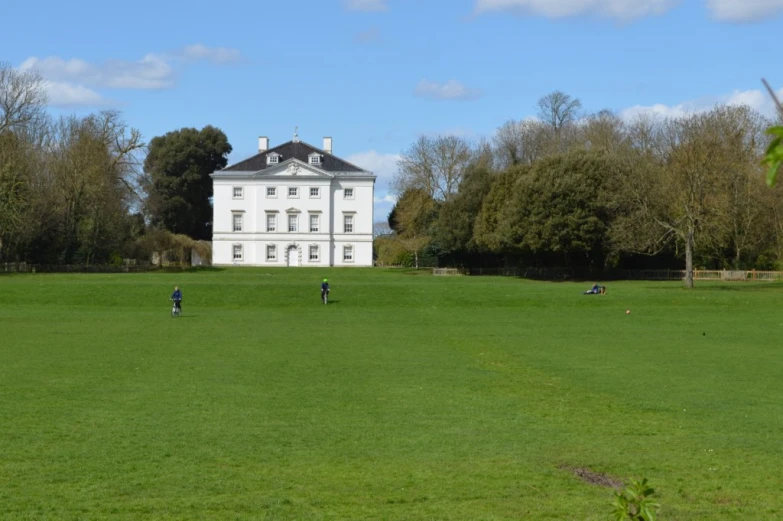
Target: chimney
[263, 144]
[328, 145]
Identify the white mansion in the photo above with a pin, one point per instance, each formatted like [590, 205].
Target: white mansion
[292, 205]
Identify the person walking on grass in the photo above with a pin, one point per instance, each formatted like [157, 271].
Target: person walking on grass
[324, 289]
[177, 298]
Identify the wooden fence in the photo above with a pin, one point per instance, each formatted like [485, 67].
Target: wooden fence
[578, 274]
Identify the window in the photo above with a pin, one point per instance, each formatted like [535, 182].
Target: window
[315, 160]
[237, 252]
[348, 224]
[271, 222]
[348, 253]
[348, 193]
[237, 222]
[293, 192]
[271, 191]
[315, 192]
[314, 223]
[237, 192]
[313, 253]
[272, 159]
[293, 223]
[271, 252]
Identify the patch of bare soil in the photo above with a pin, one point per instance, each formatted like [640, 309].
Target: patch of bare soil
[594, 478]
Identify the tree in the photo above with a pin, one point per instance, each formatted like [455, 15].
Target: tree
[680, 197]
[457, 217]
[381, 229]
[563, 207]
[494, 206]
[558, 109]
[22, 97]
[434, 165]
[178, 185]
[520, 142]
[604, 131]
[92, 166]
[414, 213]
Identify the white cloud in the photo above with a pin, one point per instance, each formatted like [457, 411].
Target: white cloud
[218, 55]
[384, 166]
[618, 9]
[744, 10]
[387, 199]
[150, 72]
[756, 99]
[72, 81]
[68, 95]
[365, 5]
[451, 90]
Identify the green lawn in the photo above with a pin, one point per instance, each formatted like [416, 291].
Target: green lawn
[408, 397]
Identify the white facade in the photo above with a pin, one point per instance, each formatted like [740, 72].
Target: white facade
[292, 213]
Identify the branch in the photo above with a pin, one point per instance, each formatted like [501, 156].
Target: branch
[774, 97]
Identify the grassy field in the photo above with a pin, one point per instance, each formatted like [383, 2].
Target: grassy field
[408, 397]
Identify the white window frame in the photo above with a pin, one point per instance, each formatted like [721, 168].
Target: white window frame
[273, 228]
[348, 193]
[293, 222]
[348, 223]
[234, 216]
[313, 249]
[317, 227]
[272, 159]
[317, 194]
[271, 248]
[240, 190]
[348, 248]
[315, 159]
[237, 248]
[271, 192]
[296, 192]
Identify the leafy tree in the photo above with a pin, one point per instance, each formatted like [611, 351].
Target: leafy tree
[179, 188]
[773, 158]
[414, 215]
[564, 207]
[486, 234]
[457, 217]
[681, 196]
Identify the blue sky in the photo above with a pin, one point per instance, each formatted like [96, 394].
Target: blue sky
[376, 74]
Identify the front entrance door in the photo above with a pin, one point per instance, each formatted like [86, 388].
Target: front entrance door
[293, 256]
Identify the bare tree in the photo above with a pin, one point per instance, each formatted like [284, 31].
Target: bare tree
[521, 142]
[435, 165]
[381, 229]
[680, 197]
[604, 131]
[22, 97]
[558, 110]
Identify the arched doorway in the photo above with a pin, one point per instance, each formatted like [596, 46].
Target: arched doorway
[293, 255]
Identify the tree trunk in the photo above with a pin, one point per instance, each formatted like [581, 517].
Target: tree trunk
[416, 257]
[689, 244]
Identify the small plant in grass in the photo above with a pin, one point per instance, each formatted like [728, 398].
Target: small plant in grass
[634, 502]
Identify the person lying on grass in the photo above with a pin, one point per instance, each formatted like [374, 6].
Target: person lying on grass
[596, 290]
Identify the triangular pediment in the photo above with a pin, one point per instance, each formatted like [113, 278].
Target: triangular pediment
[292, 168]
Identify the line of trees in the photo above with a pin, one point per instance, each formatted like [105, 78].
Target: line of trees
[89, 190]
[592, 191]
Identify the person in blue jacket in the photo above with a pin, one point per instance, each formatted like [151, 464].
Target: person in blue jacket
[324, 288]
[177, 298]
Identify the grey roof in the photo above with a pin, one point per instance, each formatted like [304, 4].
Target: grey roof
[296, 150]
